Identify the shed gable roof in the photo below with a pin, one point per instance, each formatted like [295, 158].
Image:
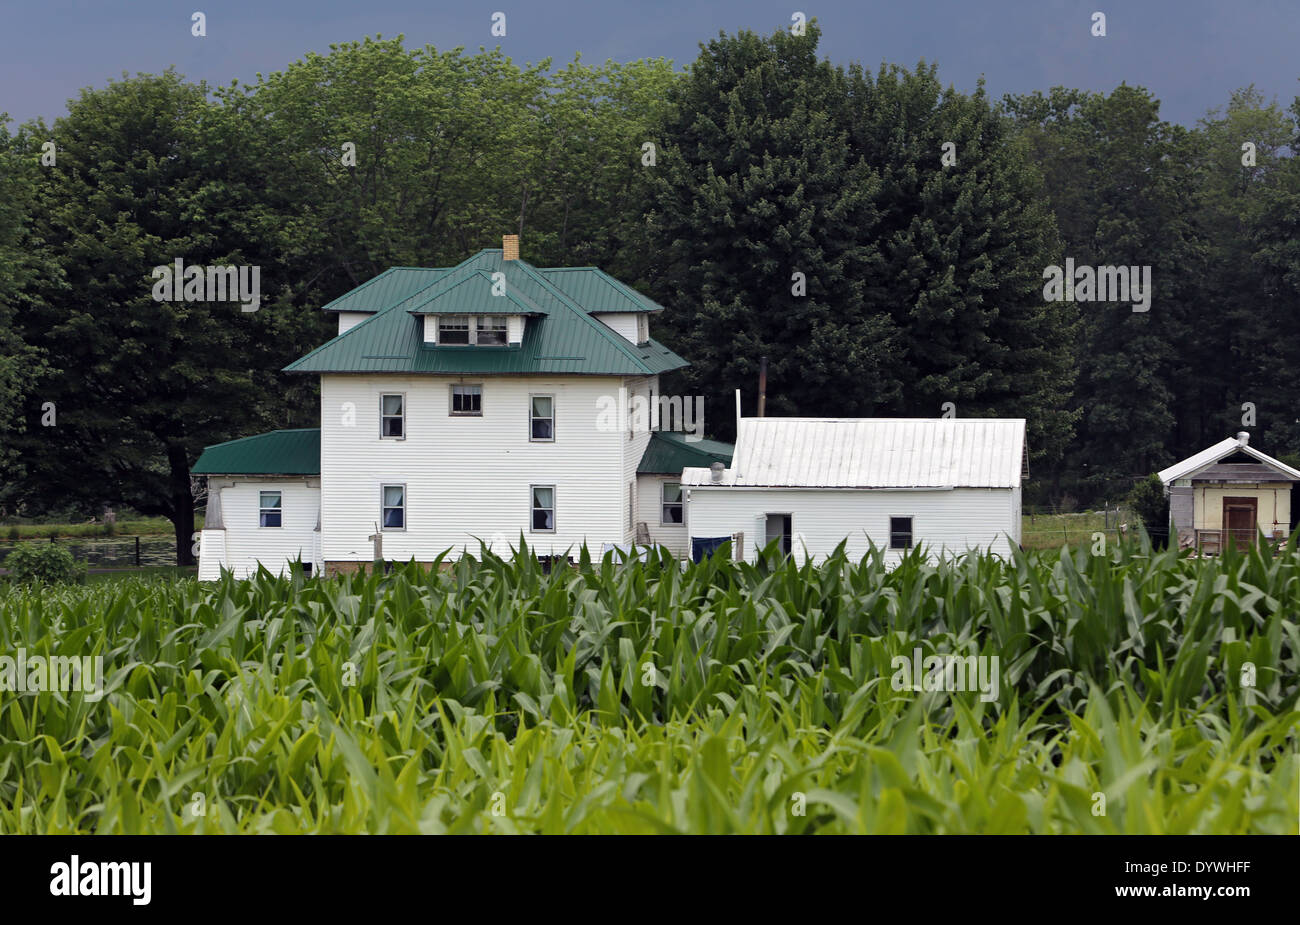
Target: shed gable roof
[1188, 467]
[280, 452]
[565, 339]
[669, 452]
[874, 453]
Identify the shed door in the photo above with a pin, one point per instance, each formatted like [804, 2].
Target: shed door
[1240, 518]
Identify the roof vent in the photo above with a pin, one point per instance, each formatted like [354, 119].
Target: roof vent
[716, 469]
[510, 247]
[1243, 437]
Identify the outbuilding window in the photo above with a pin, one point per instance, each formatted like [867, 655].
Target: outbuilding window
[900, 533]
[268, 509]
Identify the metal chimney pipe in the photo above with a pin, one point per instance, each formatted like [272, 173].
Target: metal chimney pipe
[762, 386]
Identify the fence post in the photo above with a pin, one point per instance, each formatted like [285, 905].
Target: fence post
[137, 552]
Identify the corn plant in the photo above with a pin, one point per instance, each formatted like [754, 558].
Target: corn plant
[1140, 691]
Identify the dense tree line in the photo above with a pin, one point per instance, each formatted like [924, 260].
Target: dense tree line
[880, 237]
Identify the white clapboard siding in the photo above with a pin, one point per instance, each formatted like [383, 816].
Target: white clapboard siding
[948, 522]
[349, 320]
[633, 449]
[243, 544]
[468, 478]
[622, 323]
[649, 499]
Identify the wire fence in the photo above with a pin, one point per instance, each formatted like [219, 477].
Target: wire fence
[108, 552]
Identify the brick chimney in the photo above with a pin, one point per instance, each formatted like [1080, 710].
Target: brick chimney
[510, 247]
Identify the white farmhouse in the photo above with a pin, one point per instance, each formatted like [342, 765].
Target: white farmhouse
[951, 485]
[462, 406]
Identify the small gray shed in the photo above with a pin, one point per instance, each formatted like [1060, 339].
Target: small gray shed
[1229, 492]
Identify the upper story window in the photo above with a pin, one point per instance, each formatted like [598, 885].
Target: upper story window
[269, 510]
[476, 330]
[642, 328]
[490, 331]
[453, 329]
[541, 418]
[467, 400]
[392, 416]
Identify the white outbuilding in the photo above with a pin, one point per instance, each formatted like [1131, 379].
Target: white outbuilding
[950, 485]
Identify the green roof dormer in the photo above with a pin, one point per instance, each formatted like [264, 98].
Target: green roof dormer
[558, 309]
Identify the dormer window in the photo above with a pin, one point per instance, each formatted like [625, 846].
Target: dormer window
[470, 330]
[490, 331]
[453, 329]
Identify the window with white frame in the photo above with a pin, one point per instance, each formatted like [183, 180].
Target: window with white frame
[541, 418]
[490, 331]
[479, 330]
[393, 507]
[392, 416]
[269, 509]
[642, 328]
[467, 400]
[543, 509]
[900, 533]
[453, 329]
[672, 505]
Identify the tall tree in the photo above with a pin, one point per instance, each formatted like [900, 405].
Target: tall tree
[758, 234]
[922, 272]
[1247, 332]
[1121, 183]
[965, 232]
[20, 265]
[149, 172]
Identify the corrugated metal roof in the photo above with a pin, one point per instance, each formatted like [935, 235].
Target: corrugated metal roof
[386, 289]
[469, 292]
[874, 453]
[1220, 450]
[597, 291]
[669, 452]
[566, 340]
[280, 452]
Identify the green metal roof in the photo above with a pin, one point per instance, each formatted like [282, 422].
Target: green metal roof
[281, 452]
[669, 452]
[597, 291]
[564, 340]
[386, 289]
[469, 292]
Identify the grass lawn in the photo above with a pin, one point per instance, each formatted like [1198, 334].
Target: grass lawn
[148, 526]
[1051, 531]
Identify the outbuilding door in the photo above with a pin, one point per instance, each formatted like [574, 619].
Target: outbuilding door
[778, 527]
[1240, 519]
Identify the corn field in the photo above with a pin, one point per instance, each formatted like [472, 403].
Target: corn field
[1140, 692]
